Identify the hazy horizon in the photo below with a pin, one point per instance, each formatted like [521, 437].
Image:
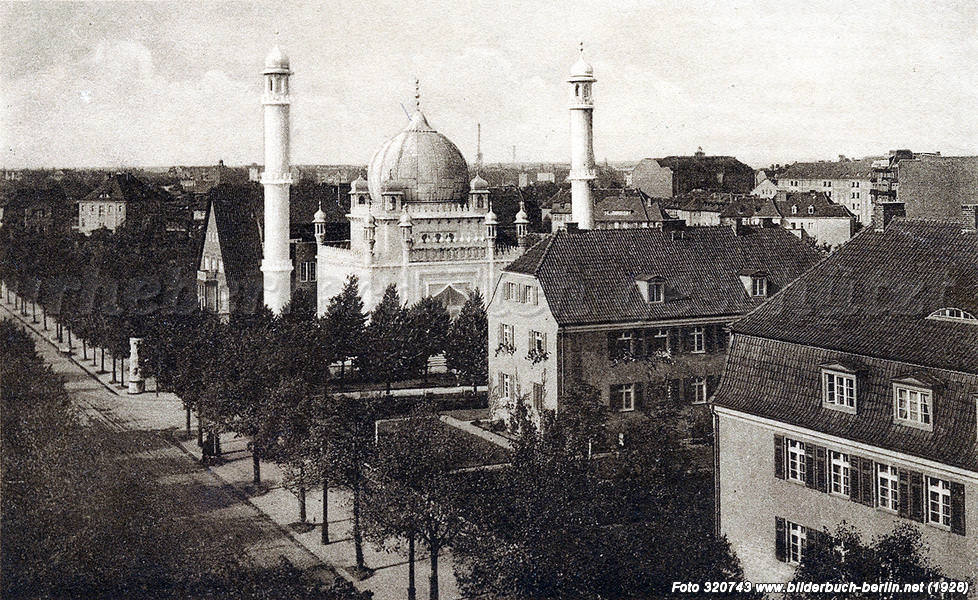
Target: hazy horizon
[156, 84]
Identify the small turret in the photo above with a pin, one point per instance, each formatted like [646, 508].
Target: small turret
[406, 227]
[319, 223]
[522, 223]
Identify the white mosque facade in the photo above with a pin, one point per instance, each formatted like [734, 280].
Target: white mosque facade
[416, 221]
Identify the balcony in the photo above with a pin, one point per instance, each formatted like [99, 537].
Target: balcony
[203, 275]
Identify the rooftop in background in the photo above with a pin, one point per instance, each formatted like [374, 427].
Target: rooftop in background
[874, 296]
[842, 169]
[588, 277]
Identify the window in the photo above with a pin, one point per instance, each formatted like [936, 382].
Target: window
[811, 209]
[840, 473]
[796, 461]
[953, 314]
[888, 487]
[508, 335]
[826, 184]
[699, 339]
[758, 286]
[794, 209]
[538, 393]
[307, 271]
[699, 390]
[506, 385]
[623, 397]
[657, 291]
[797, 539]
[624, 344]
[537, 341]
[913, 406]
[839, 391]
[659, 341]
[938, 502]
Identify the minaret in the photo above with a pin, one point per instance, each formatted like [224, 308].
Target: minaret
[582, 147]
[276, 266]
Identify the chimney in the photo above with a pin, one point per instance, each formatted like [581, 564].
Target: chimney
[673, 225]
[884, 212]
[572, 228]
[739, 226]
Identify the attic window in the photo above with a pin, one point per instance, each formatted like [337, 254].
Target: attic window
[953, 314]
[652, 288]
[758, 286]
[811, 209]
[794, 209]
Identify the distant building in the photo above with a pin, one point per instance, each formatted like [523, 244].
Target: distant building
[809, 215]
[939, 187]
[37, 209]
[652, 178]
[615, 208]
[847, 182]
[853, 396]
[121, 197]
[595, 307]
[765, 189]
[228, 275]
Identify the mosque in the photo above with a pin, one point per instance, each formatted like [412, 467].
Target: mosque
[417, 221]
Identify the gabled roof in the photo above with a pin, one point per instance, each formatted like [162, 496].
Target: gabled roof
[819, 201]
[126, 187]
[589, 277]
[845, 169]
[873, 297]
[239, 236]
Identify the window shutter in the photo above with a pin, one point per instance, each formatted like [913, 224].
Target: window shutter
[639, 396]
[916, 496]
[614, 402]
[957, 508]
[854, 469]
[821, 473]
[904, 508]
[502, 385]
[689, 394]
[531, 343]
[709, 335]
[612, 350]
[675, 340]
[780, 540]
[868, 489]
[499, 334]
[810, 466]
[779, 456]
[544, 342]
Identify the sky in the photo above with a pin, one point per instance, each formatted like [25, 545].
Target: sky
[117, 84]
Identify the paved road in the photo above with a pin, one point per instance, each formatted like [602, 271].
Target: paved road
[217, 508]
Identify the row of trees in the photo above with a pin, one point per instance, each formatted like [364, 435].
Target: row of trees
[82, 519]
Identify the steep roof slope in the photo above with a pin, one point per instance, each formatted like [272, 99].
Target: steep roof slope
[589, 277]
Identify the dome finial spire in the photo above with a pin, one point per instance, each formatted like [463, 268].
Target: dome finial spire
[580, 47]
[417, 94]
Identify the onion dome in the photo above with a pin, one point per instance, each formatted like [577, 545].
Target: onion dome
[276, 61]
[491, 218]
[521, 217]
[425, 165]
[478, 184]
[581, 69]
[320, 216]
[371, 221]
[359, 184]
[405, 219]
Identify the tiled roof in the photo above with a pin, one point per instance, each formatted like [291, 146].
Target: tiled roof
[589, 276]
[126, 187]
[872, 298]
[781, 381]
[846, 169]
[820, 201]
[240, 239]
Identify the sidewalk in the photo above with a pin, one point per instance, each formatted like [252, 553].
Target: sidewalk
[159, 412]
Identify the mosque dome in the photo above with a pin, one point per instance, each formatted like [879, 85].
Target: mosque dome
[320, 216]
[581, 69]
[276, 61]
[359, 184]
[479, 184]
[422, 163]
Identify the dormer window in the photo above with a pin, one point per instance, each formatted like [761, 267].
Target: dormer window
[953, 314]
[913, 402]
[839, 387]
[811, 209]
[652, 288]
[794, 209]
[758, 286]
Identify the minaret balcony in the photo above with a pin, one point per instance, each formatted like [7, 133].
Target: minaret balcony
[582, 174]
[275, 98]
[276, 178]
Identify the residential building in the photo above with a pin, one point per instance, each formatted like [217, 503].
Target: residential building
[765, 189]
[814, 215]
[688, 173]
[640, 314]
[853, 396]
[121, 197]
[229, 278]
[939, 187]
[615, 208]
[846, 181]
[654, 179]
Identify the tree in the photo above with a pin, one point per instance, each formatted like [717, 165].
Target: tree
[428, 324]
[417, 491]
[899, 556]
[293, 408]
[383, 354]
[467, 347]
[345, 320]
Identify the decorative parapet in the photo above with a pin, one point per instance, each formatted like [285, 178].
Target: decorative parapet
[276, 178]
[508, 253]
[338, 255]
[274, 98]
[442, 208]
[447, 254]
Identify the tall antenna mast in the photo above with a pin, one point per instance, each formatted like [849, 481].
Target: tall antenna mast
[478, 148]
